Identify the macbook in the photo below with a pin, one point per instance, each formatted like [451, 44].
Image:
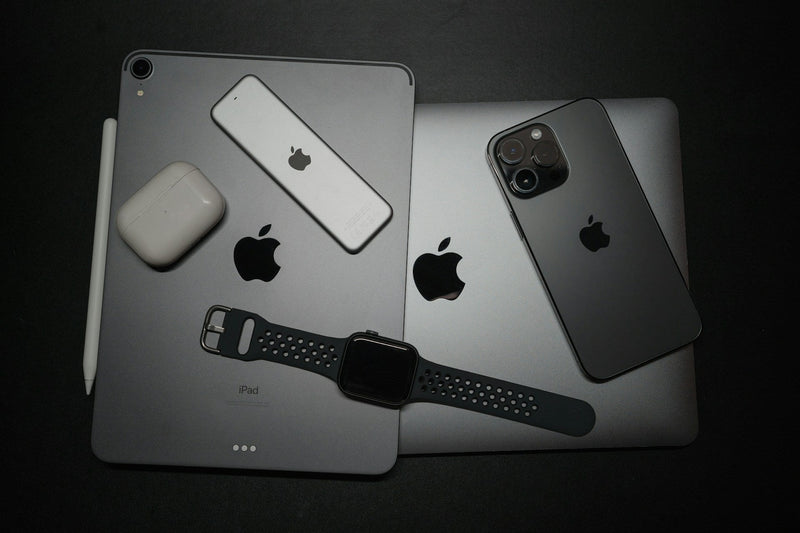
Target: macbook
[474, 300]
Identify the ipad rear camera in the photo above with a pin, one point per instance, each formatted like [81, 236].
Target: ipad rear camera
[141, 68]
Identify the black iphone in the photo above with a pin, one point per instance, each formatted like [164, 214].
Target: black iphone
[578, 206]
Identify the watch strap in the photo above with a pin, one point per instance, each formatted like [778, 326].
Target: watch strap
[271, 342]
[432, 382]
[457, 388]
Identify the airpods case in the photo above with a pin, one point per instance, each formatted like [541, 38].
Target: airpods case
[169, 214]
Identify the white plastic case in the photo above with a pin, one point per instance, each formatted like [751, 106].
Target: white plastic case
[170, 213]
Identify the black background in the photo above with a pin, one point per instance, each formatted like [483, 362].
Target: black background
[732, 77]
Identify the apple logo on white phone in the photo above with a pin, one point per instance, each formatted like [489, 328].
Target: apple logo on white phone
[298, 160]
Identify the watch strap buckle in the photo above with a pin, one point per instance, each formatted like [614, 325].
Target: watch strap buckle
[209, 327]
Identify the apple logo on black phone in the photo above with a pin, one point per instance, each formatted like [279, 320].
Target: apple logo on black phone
[255, 258]
[298, 160]
[435, 275]
[593, 237]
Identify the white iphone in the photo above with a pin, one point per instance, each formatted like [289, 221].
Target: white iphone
[302, 163]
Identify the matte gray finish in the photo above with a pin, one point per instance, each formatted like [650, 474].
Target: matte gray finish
[503, 324]
[159, 397]
[623, 305]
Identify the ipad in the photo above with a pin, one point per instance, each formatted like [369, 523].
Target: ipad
[478, 303]
[159, 397]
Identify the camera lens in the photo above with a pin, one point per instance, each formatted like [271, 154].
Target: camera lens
[511, 151]
[525, 180]
[545, 154]
[141, 68]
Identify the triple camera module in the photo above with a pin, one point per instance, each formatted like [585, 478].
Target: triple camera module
[531, 160]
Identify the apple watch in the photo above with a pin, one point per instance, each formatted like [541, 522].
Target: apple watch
[390, 373]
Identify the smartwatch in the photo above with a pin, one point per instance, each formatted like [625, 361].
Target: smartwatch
[389, 373]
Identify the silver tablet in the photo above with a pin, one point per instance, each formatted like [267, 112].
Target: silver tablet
[159, 397]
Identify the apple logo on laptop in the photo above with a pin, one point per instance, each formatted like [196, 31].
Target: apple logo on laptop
[298, 160]
[593, 237]
[255, 258]
[435, 275]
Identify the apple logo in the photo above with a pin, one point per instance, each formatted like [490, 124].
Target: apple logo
[593, 237]
[435, 275]
[255, 258]
[298, 160]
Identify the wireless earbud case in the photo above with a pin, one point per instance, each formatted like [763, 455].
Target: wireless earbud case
[170, 214]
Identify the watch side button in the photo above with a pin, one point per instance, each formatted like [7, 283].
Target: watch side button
[371, 332]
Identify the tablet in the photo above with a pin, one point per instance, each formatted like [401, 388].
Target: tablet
[159, 397]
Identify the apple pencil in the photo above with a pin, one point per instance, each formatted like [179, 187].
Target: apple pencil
[99, 253]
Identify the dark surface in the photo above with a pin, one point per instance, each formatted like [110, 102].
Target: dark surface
[728, 71]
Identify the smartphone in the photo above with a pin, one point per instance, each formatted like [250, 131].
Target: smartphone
[302, 163]
[600, 253]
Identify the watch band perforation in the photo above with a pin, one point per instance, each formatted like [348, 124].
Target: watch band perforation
[276, 343]
[496, 397]
[476, 392]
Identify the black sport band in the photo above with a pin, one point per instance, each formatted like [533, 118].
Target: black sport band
[491, 396]
[431, 382]
[272, 342]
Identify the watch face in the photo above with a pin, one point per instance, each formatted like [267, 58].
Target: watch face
[379, 370]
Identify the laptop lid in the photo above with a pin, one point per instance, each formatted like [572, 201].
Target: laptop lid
[159, 397]
[501, 322]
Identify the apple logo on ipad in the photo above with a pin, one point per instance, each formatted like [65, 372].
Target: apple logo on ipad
[298, 160]
[435, 275]
[255, 258]
[593, 237]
